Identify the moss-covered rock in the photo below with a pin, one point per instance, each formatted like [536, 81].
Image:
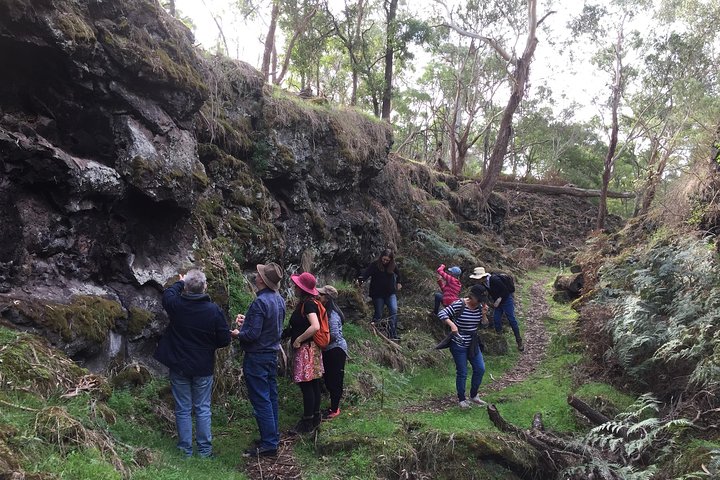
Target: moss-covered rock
[28, 363]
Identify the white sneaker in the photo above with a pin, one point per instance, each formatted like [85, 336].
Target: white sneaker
[478, 400]
[465, 404]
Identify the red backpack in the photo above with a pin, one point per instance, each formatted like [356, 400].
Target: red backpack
[322, 336]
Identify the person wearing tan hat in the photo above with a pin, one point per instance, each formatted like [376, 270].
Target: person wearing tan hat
[307, 357]
[259, 335]
[335, 354]
[503, 301]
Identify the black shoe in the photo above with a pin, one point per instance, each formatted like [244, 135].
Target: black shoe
[316, 420]
[256, 452]
[521, 346]
[305, 425]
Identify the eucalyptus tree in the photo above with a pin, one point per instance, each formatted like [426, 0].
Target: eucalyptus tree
[463, 81]
[489, 16]
[682, 69]
[607, 26]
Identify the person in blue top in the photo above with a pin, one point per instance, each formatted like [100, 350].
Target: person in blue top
[464, 316]
[335, 354]
[196, 329]
[259, 336]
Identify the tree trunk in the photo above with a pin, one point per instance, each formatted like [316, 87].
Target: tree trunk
[300, 28]
[270, 40]
[391, 11]
[590, 413]
[561, 190]
[614, 129]
[519, 78]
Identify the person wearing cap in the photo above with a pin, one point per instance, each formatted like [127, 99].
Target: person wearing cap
[450, 286]
[196, 329]
[259, 335]
[307, 357]
[464, 317]
[335, 354]
[384, 278]
[503, 302]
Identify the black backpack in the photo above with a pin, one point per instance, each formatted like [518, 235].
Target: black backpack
[507, 280]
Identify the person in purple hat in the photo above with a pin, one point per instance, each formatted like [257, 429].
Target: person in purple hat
[307, 356]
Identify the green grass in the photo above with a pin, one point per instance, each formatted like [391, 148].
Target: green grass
[373, 421]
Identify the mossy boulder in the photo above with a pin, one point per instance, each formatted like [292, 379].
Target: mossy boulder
[28, 363]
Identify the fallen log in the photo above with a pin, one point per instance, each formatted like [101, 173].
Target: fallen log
[587, 411]
[560, 190]
[570, 283]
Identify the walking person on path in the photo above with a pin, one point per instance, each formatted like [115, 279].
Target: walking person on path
[259, 332]
[335, 354]
[384, 278]
[307, 357]
[503, 301]
[464, 317]
[197, 328]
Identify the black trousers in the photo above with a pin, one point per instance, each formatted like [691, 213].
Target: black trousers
[311, 397]
[334, 363]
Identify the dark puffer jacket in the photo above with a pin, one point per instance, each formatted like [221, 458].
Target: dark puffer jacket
[197, 328]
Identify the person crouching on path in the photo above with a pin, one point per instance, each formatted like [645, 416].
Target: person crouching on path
[307, 357]
[259, 336]
[384, 278]
[464, 316]
[450, 286]
[503, 302]
[197, 328]
[335, 353]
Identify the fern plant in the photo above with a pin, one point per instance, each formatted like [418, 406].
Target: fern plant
[632, 444]
[667, 315]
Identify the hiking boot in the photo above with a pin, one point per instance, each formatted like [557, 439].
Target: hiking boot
[305, 425]
[520, 345]
[329, 414]
[478, 400]
[256, 452]
[465, 404]
[316, 420]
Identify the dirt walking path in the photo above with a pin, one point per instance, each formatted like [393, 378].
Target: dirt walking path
[536, 339]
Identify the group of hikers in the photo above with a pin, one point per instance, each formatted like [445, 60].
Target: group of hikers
[198, 327]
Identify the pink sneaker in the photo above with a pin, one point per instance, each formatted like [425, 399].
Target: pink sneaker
[330, 414]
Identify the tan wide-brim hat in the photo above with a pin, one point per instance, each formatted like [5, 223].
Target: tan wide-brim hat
[328, 290]
[271, 275]
[479, 273]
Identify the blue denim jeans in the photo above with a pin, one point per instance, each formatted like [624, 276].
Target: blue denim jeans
[461, 355]
[260, 371]
[391, 303]
[192, 393]
[508, 308]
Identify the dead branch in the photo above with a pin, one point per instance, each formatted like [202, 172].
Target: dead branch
[590, 413]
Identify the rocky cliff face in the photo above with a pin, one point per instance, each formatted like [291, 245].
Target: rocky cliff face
[127, 156]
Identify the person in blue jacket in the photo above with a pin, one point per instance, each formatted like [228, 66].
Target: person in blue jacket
[197, 328]
[259, 336]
